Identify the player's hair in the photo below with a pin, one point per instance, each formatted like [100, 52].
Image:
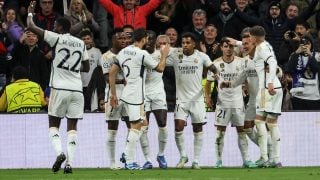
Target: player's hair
[224, 40]
[64, 23]
[152, 35]
[139, 34]
[127, 26]
[257, 31]
[86, 32]
[189, 35]
[245, 32]
[19, 72]
[166, 37]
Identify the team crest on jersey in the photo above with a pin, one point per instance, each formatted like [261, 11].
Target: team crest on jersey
[196, 61]
[221, 65]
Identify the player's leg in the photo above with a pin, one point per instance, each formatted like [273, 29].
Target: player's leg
[198, 114]
[250, 114]
[243, 146]
[221, 122]
[275, 140]
[250, 131]
[111, 142]
[136, 117]
[161, 117]
[197, 144]
[179, 137]
[237, 119]
[112, 116]
[72, 141]
[262, 138]
[74, 112]
[54, 135]
[219, 143]
[56, 109]
[144, 142]
[179, 123]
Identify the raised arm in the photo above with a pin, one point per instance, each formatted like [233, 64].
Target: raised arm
[164, 53]
[37, 30]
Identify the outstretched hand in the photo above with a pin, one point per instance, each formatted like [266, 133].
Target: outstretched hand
[32, 7]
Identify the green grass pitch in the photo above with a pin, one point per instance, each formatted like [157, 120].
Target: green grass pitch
[287, 173]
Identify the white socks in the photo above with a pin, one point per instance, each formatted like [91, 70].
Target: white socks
[219, 144]
[130, 149]
[55, 140]
[243, 145]
[111, 146]
[262, 138]
[197, 146]
[275, 139]
[144, 142]
[162, 139]
[180, 143]
[252, 134]
[71, 145]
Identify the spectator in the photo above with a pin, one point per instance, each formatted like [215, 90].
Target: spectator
[26, 53]
[209, 44]
[13, 27]
[94, 57]
[45, 19]
[276, 23]
[303, 70]
[100, 15]
[129, 13]
[226, 22]
[22, 95]
[199, 20]
[243, 6]
[292, 41]
[173, 36]
[80, 18]
[171, 13]
[95, 90]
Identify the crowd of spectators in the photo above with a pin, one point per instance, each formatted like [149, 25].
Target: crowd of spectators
[292, 27]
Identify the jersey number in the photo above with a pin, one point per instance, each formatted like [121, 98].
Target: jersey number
[66, 66]
[126, 69]
[221, 114]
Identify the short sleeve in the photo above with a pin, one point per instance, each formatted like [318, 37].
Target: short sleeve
[51, 37]
[148, 61]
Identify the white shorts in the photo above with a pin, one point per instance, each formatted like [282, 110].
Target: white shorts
[268, 103]
[135, 112]
[114, 114]
[196, 109]
[225, 115]
[155, 102]
[64, 103]
[250, 111]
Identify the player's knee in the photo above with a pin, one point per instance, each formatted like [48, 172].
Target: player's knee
[112, 125]
[197, 128]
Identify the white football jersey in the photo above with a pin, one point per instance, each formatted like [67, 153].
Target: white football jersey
[68, 53]
[106, 61]
[133, 61]
[94, 60]
[265, 54]
[188, 73]
[154, 83]
[249, 73]
[228, 97]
